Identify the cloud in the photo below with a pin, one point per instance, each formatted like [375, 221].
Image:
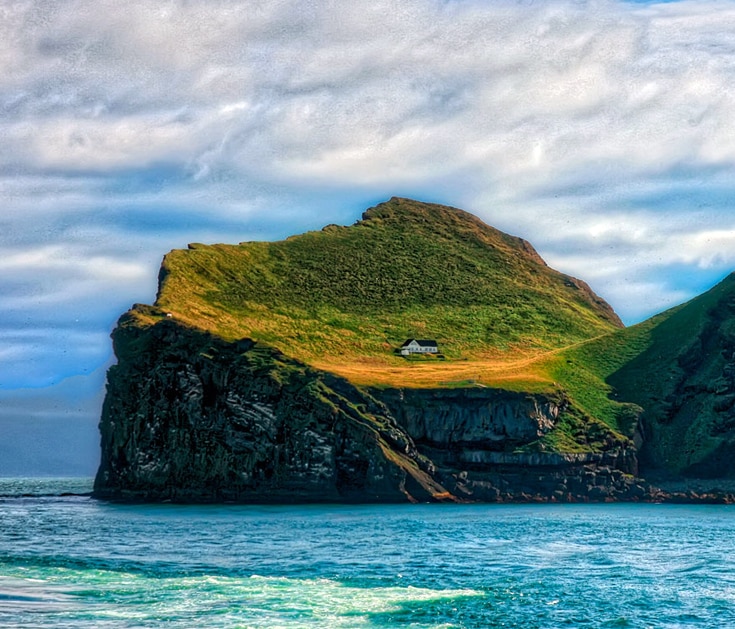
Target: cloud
[602, 131]
[521, 94]
[60, 258]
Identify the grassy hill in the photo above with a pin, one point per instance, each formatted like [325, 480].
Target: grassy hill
[343, 298]
[674, 372]
[685, 381]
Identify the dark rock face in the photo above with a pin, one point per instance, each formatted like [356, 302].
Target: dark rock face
[189, 417]
[490, 419]
[473, 436]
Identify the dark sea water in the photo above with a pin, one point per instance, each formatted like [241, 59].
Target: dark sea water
[73, 562]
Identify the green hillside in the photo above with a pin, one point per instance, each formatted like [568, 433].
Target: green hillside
[344, 298]
[676, 372]
[685, 381]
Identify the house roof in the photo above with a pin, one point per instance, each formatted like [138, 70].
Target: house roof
[423, 343]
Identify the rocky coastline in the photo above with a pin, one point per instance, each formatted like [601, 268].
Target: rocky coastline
[189, 417]
[216, 395]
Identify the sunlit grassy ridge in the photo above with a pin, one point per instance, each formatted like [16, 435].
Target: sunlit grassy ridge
[344, 298]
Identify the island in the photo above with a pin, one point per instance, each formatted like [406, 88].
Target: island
[273, 372]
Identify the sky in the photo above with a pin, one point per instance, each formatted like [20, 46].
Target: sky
[601, 131]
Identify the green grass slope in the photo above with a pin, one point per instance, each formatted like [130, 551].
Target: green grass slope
[685, 382]
[344, 297]
[676, 372]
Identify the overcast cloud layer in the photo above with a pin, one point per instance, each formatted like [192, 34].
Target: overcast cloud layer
[603, 132]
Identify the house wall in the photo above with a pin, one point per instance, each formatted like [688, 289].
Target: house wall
[419, 349]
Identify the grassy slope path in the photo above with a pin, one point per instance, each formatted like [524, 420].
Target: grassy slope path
[510, 370]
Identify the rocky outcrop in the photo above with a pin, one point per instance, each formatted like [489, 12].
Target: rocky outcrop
[190, 417]
[476, 439]
[490, 419]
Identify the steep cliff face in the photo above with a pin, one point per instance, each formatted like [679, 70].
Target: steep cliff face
[492, 419]
[488, 444]
[189, 417]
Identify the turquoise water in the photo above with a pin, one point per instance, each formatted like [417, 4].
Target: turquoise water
[69, 561]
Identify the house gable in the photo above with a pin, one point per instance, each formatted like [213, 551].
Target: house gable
[419, 346]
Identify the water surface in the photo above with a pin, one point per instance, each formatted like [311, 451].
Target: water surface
[70, 561]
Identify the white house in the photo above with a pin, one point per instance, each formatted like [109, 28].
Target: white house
[415, 346]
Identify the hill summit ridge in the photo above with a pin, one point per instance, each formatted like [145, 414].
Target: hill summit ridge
[447, 219]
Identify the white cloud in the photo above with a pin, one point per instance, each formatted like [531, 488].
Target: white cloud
[709, 248]
[602, 131]
[64, 258]
[524, 94]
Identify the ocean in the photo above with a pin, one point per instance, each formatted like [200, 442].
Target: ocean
[71, 561]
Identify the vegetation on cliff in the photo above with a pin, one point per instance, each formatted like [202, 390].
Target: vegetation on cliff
[341, 300]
